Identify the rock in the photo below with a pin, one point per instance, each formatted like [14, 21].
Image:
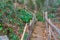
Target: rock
[4, 37]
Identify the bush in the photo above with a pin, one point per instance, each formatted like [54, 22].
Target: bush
[39, 16]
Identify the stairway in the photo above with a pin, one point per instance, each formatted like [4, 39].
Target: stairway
[39, 32]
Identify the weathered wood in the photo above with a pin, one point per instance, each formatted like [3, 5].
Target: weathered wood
[47, 28]
[51, 25]
[49, 32]
[22, 38]
[31, 26]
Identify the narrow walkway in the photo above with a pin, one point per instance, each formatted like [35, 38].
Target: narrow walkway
[39, 32]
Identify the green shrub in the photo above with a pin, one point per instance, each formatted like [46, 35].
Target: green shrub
[39, 16]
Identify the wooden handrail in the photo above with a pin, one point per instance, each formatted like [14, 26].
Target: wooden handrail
[51, 24]
[31, 26]
[22, 38]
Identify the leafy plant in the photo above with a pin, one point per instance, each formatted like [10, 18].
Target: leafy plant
[21, 31]
[17, 17]
[51, 15]
[1, 26]
[20, 1]
[13, 37]
[39, 16]
[24, 15]
[25, 36]
[30, 5]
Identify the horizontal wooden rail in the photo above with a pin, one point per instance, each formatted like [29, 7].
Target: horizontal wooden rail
[30, 28]
[22, 38]
[51, 24]
[52, 27]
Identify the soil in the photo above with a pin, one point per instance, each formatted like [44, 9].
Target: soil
[39, 32]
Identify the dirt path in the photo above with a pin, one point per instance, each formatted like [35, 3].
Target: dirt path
[39, 32]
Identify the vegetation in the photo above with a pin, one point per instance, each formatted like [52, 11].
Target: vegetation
[13, 20]
[31, 5]
[12, 16]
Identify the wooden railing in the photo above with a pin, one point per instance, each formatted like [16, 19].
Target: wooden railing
[51, 29]
[30, 28]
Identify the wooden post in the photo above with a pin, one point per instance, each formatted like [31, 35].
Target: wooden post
[47, 28]
[49, 31]
[31, 26]
[54, 36]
